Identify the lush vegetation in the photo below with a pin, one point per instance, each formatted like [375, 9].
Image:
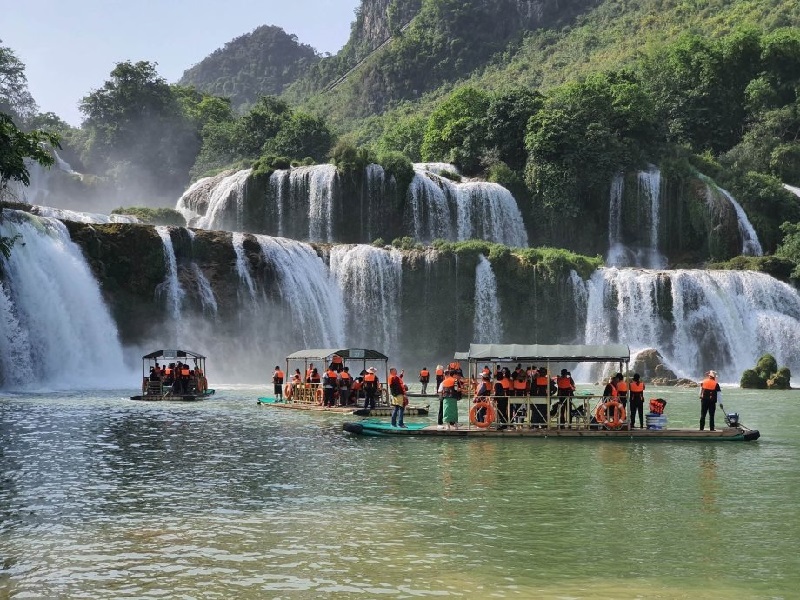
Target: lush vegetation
[766, 374]
[260, 63]
[153, 216]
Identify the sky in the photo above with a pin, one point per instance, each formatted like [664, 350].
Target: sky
[69, 47]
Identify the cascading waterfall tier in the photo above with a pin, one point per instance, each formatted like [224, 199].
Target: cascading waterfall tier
[440, 208]
[316, 204]
[697, 319]
[55, 329]
[717, 199]
[370, 281]
[487, 323]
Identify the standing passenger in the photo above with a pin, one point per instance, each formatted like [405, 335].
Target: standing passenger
[451, 394]
[708, 399]
[424, 378]
[397, 392]
[330, 385]
[277, 382]
[345, 383]
[370, 388]
[637, 400]
[622, 390]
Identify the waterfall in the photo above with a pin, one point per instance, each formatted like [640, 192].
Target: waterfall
[698, 320]
[319, 180]
[377, 189]
[204, 290]
[80, 217]
[170, 288]
[650, 189]
[636, 251]
[487, 323]
[215, 202]
[370, 279]
[440, 208]
[242, 265]
[750, 244]
[308, 291]
[55, 329]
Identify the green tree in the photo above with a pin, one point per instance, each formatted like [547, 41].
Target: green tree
[302, 135]
[137, 132]
[15, 99]
[506, 121]
[456, 130]
[16, 147]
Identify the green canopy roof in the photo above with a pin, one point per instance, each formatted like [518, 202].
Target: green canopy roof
[346, 353]
[557, 352]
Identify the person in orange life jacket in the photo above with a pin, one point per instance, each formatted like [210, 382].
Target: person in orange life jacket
[424, 379]
[709, 389]
[185, 374]
[277, 383]
[637, 400]
[502, 386]
[450, 392]
[439, 377]
[337, 363]
[370, 388]
[541, 382]
[565, 387]
[309, 371]
[314, 376]
[330, 385]
[482, 393]
[610, 391]
[345, 383]
[622, 390]
[397, 392]
[486, 371]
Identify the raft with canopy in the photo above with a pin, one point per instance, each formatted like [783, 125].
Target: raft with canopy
[548, 414]
[186, 384]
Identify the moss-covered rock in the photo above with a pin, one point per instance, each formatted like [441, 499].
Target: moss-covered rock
[766, 375]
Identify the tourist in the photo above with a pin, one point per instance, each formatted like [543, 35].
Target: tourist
[309, 371]
[541, 382]
[345, 383]
[439, 377]
[610, 391]
[565, 386]
[502, 385]
[622, 390]
[397, 392]
[277, 382]
[482, 394]
[370, 388]
[424, 378]
[637, 400]
[450, 393]
[709, 389]
[330, 385]
[337, 363]
[314, 376]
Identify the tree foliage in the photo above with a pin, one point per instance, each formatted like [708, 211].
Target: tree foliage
[15, 99]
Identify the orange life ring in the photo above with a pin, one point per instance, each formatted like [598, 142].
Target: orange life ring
[488, 418]
[287, 390]
[318, 395]
[617, 417]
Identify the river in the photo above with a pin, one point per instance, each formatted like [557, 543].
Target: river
[104, 497]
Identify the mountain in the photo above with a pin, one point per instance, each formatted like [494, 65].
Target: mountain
[262, 62]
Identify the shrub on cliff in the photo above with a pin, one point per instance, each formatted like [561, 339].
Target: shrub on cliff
[397, 165]
[153, 216]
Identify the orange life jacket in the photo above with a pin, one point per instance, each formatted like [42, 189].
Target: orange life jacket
[519, 384]
[564, 383]
[637, 388]
[370, 380]
[167, 372]
[454, 366]
[506, 383]
[622, 387]
[709, 384]
[336, 359]
[278, 376]
[439, 372]
[541, 381]
[184, 372]
[425, 373]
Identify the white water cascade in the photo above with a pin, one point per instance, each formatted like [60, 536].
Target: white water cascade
[215, 202]
[308, 291]
[170, 289]
[242, 266]
[750, 243]
[64, 214]
[370, 279]
[487, 323]
[698, 320]
[644, 253]
[55, 329]
[441, 208]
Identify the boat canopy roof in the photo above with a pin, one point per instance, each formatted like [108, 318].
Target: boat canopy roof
[172, 354]
[557, 352]
[461, 356]
[346, 353]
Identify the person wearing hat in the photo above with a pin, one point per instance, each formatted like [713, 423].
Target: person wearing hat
[370, 387]
[709, 389]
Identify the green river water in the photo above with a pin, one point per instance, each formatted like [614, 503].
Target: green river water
[104, 497]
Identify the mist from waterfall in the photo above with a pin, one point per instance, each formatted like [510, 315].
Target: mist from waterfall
[698, 320]
[487, 322]
[370, 280]
[55, 329]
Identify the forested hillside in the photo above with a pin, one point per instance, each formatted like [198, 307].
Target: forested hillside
[260, 63]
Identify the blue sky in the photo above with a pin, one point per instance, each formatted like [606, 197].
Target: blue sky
[69, 47]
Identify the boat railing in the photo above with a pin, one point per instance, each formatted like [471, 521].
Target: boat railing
[547, 412]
